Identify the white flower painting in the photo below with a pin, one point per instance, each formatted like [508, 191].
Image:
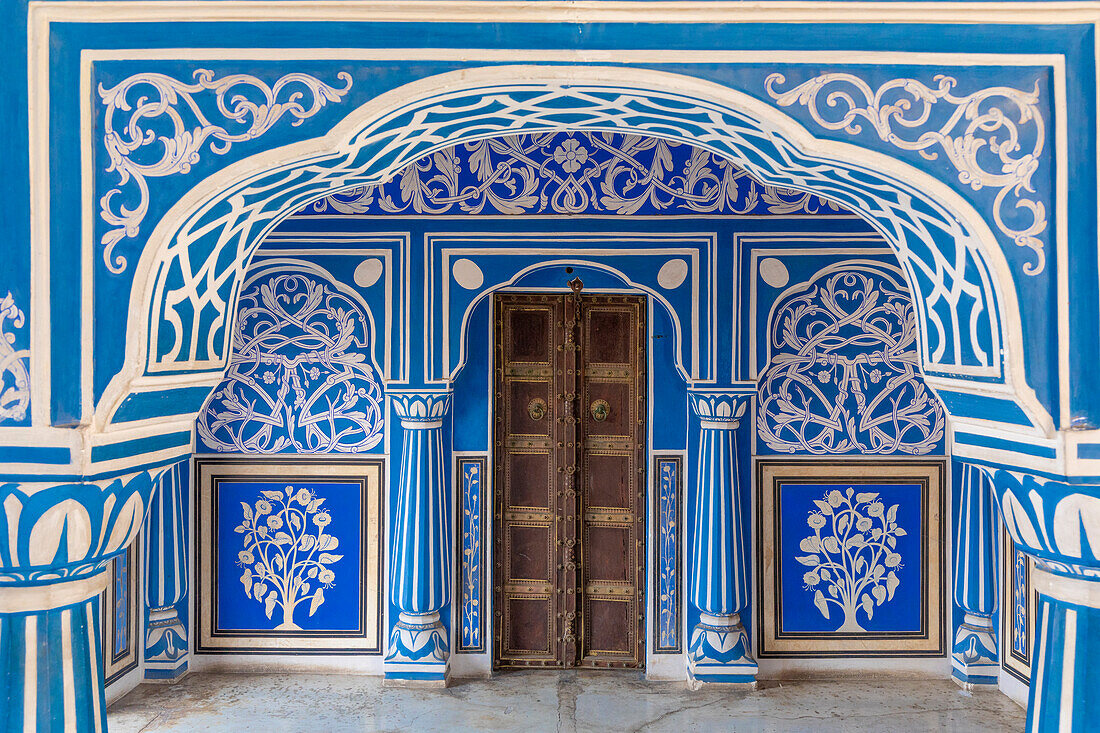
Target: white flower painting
[286, 554]
[852, 556]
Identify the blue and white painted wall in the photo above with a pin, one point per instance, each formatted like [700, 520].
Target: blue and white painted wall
[162, 206]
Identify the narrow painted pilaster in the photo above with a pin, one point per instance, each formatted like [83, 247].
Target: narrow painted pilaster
[165, 561]
[718, 651]
[420, 568]
[51, 660]
[1065, 676]
[974, 651]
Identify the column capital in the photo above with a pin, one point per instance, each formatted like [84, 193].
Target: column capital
[421, 409]
[719, 410]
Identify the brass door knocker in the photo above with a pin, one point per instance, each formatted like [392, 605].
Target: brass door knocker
[600, 410]
[536, 408]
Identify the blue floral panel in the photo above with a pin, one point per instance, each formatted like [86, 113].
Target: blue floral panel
[851, 558]
[288, 556]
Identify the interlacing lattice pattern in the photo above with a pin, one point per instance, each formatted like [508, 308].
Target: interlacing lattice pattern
[842, 374]
[299, 380]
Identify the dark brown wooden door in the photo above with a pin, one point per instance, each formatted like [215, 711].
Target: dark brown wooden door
[570, 462]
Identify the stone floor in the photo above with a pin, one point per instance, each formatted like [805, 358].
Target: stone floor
[561, 701]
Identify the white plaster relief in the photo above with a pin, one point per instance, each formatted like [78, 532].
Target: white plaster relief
[993, 137]
[127, 141]
[15, 381]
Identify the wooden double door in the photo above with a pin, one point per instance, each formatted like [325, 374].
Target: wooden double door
[569, 468]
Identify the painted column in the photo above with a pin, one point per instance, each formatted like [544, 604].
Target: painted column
[54, 551]
[719, 648]
[51, 657]
[165, 560]
[1058, 523]
[420, 564]
[1065, 674]
[974, 655]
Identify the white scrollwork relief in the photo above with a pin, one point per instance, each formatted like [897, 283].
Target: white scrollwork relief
[167, 114]
[298, 379]
[15, 381]
[574, 173]
[993, 137]
[842, 374]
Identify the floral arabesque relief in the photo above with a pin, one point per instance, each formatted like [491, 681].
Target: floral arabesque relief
[286, 555]
[852, 555]
[843, 373]
[573, 173]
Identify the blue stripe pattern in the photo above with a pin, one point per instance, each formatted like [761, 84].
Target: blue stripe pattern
[420, 577]
[165, 560]
[975, 565]
[719, 580]
[1064, 686]
[51, 670]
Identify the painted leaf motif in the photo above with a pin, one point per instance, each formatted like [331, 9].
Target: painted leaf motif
[891, 514]
[314, 505]
[819, 601]
[842, 523]
[247, 510]
[824, 573]
[282, 538]
[868, 605]
[328, 542]
[278, 562]
[272, 495]
[318, 599]
[258, 590]
[312, 573]
[246, 579]
[808, 560]
[294, 520]
[899, 532]
[866, 497]
[879, 593]
[891, 584]
[824, 507]
[269, 604]
[306, 542]
[831, 545]
[832, 590]
[861, 561]
[810, 544]
[325, 558]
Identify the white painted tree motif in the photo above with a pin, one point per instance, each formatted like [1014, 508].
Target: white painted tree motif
[854, 566]
[285, 559]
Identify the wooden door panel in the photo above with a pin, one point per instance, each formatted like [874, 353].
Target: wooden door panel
[613, 435]
[569, 449]
[527, 431]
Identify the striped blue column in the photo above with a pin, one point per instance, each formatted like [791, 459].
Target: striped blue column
[51, 668]
[1065, 675]
[718, 651]
[165, 560]
[420, 564]
[974, 659]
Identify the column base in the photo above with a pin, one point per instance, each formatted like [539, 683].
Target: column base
[974, 664]
[718, 653]
[165, 646]
[419, 653]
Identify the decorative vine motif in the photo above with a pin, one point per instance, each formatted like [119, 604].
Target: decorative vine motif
[129, 141]
[298, 380]
[668, 632]
[842, 375]
[856, 562]
[993, 137]
[15, 380]
[471, 555]
[573, 173]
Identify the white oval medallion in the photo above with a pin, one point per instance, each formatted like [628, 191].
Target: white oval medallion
[368, 272]
[774, 272]
[672, 274]
[468, 274]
